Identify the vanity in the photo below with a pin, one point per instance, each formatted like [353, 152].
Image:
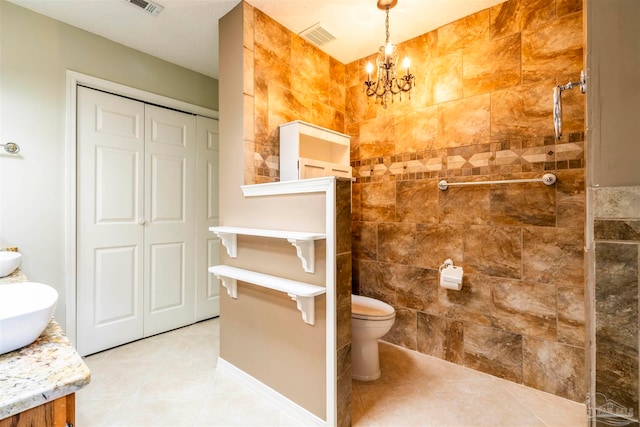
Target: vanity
[38, 382]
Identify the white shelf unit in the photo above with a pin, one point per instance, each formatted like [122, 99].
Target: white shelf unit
[302, 241]
[310, 151]
[303, 293]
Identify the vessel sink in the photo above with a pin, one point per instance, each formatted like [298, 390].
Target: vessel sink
[25, 311]
[9, 261]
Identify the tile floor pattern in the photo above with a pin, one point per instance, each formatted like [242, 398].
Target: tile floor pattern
[171, 380]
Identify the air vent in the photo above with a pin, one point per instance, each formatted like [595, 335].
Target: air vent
[317, 35]
[149, 6]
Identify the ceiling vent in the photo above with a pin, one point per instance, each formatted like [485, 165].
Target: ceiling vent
[317, 35]
[148, 6]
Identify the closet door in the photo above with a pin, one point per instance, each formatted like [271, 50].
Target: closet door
[208, 287]
[110, 207]
[170, 221]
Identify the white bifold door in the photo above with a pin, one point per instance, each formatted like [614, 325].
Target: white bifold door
[146, 195]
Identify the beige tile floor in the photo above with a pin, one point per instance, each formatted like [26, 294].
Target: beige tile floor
[171, 380]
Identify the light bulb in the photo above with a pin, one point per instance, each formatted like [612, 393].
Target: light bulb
[388, 50]
[369, 67]
[406, 63]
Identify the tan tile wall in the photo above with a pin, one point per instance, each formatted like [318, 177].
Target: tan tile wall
[287, 78]
[481, 110]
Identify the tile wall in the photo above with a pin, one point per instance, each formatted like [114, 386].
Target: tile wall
[481, 110]
[286, 79]
[617, 266]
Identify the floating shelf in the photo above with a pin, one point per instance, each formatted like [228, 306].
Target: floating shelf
[302, 241]
[303, 293]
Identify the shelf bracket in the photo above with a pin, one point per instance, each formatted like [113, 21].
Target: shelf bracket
[306, 251]
[230, 284]
[307, 306]
[229, 241]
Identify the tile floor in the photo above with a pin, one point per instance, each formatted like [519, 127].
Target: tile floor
[171, 380]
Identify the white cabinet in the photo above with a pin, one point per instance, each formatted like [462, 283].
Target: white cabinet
[310, 151]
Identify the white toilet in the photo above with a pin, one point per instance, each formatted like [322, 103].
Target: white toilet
[370, 320]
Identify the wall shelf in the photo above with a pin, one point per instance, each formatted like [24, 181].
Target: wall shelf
[303, 293]
[302, 241]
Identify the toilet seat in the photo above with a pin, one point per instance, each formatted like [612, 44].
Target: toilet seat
[366, 308]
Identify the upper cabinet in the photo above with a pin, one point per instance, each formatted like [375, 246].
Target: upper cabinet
[310, 151]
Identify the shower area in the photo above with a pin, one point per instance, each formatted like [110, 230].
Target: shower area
[550, 291]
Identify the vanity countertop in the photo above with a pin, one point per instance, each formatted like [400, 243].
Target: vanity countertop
[45, 370]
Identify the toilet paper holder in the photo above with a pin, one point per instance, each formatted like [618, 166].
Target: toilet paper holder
[450, 275]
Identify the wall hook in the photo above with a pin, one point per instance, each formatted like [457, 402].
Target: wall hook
[11, 147]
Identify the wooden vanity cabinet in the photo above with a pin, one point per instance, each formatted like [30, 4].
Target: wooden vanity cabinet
[57, 413]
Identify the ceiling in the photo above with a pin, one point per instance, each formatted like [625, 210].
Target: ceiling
[186, 31]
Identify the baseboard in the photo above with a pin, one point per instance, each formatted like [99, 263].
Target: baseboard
[283, 403]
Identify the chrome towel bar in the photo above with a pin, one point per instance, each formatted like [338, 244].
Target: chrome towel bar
[547, 179]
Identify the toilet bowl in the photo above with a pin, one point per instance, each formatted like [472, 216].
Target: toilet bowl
[370, 320]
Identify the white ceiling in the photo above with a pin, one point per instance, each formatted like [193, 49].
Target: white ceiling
[186, 31]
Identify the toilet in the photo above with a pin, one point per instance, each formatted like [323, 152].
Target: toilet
[370, 320]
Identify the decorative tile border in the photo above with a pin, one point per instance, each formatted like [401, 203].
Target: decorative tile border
[483, 159]
[503, 157]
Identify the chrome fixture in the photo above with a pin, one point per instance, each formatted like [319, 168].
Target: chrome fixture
[11, 147]
[557, 102]
[547, 179]
[387, 81]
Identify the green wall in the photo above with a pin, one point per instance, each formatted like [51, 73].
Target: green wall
[35, 52]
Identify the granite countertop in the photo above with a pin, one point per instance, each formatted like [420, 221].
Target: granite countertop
[43, 371]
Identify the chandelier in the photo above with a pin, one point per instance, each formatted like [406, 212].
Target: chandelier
[387, 81]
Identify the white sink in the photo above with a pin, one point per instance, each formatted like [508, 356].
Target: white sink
[9, 261]
[25, 311]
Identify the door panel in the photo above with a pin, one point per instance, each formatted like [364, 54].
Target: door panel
[116, 198]
[168, 189]
[109, 200]
[169, 287]
[115, 282]
[111, 121]
[208, 287]
[165, 130]
[170, 233]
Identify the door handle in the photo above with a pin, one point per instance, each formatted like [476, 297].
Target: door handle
[142, 221]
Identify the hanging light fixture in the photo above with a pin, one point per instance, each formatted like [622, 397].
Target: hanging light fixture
[387, 81]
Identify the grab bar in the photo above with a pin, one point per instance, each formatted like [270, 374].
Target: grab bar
[547, 179]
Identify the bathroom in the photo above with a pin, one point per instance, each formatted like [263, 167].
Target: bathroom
[550, 319]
